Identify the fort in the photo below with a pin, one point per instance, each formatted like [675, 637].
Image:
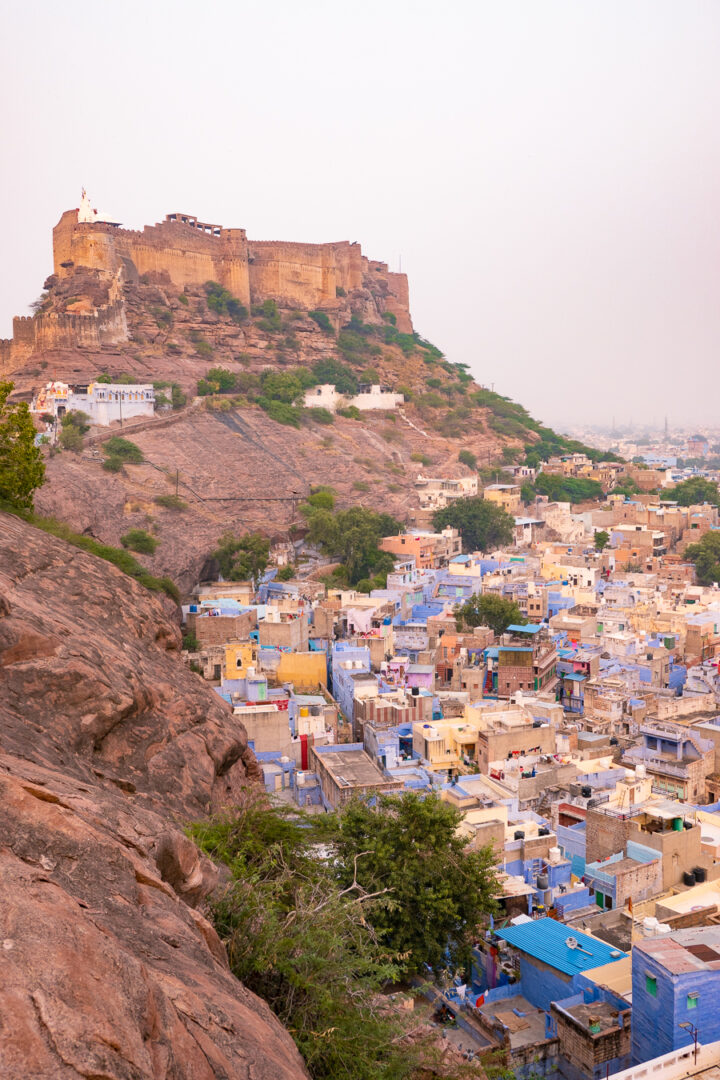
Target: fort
[191, 252]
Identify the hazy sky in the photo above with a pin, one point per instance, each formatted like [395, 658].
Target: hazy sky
[548, 171]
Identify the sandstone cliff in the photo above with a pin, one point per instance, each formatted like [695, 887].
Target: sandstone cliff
[107, 746]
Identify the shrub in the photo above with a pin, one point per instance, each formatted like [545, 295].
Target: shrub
[466, 457]
[350, 413]
[116, 446]
[339, 291]
[190, 642]
[423, 459]
[222, 302]
[322, 320]
[139, 540]
[71, 439]
[178, 397]
[361, 485]
[320, 416]
[171, 502]
[203, 347]
[285, 573]
[113, 463]
[281, 411]
[182, 298]
[322, 498]
[390, 318]
[77, 419]
[163, 315]
[270, 320]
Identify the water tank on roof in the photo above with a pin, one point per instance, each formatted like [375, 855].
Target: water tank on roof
[700, 873]
[586, 791]
[688, 878]
[543, 831]
[613, 741]
[416, 691]
[543, 881]
[640, 771]
[519, 834]
[537, 723]
[554, 855]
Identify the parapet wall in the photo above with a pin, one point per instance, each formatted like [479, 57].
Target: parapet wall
[105, 326]
[304, 275]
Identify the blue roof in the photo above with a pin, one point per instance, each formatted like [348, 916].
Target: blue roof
[575, 677]
[528, 628]
[545, 939]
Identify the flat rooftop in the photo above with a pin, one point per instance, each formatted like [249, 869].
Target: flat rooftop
[351, 768]
[686, 951]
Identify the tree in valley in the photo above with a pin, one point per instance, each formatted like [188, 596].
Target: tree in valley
[487, 609]
[435, 890]
[22, 469]
[706, 556]
[602, 539]
[696, 490]
[242, 558]
[483, 525]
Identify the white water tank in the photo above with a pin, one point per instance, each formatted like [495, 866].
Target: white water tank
[640, 771]
[554, 855]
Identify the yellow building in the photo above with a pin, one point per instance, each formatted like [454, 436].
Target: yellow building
[505, 495]
[305, 670]
[239, 656]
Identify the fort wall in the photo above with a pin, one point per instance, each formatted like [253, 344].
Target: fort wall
[306, 276]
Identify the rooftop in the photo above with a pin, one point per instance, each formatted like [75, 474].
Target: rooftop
[547, 940]
[685, 951]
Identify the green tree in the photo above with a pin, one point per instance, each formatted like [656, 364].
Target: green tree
[487, 609]
[466, 457]
[483, 525]
[139, 540]
[695, 490]
[118, 447]
[407, 848]
[242, 558]
[602, 539]
[22, 469]
[70, 438]
[352, 536]
[571, 489]
[309, 948]
[78, 419]
[706, 556]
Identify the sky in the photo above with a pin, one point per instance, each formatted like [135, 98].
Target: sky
[547, 172]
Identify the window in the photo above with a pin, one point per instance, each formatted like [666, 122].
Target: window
[692, 1000]
[651, 985]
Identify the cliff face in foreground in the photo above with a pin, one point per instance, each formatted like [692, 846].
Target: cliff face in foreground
[107, 746]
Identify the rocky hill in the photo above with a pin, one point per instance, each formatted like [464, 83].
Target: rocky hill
[242, 458]
[108, 746]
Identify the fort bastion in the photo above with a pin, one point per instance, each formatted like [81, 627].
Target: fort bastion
[192, 252]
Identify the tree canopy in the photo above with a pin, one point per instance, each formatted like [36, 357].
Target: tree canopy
[695, 490]
[602, 539]
[706, 556]
[487, 609]
[313, 925]
[437, 889]
[571, 489]
[483, 525]
[242, 558]
[352, 536]
[22, 469]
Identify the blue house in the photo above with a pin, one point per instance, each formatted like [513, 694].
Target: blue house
[551, 956]
[676, 988]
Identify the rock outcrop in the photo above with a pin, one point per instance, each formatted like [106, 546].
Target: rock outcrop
[108, 746]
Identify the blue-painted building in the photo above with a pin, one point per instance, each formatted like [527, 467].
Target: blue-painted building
[549, 962]
[676, 987]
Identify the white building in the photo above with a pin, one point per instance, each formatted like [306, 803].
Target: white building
[368, 397]
[104, 403]
[435, 493]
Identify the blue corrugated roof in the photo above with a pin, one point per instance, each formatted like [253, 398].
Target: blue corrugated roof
[545, 940]
[527, 628]
[575, 677]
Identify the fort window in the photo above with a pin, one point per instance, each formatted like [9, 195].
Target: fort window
[651, 985]
[692, 1000]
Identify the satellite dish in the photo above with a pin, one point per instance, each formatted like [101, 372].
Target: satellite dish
[571, 942]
